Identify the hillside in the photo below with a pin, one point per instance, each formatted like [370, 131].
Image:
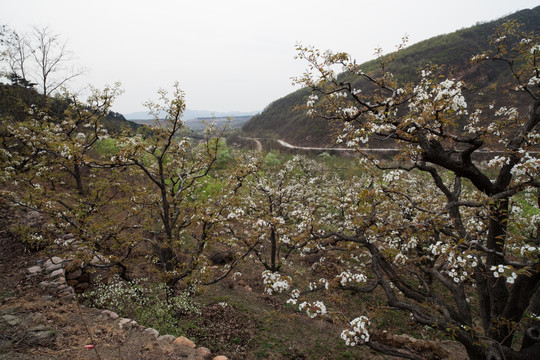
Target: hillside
[16, 100]
[282, 119]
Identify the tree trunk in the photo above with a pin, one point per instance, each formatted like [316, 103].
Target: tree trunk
[78, 179]
[498, 292]
[273, 251]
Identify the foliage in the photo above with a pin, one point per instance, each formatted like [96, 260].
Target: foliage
[48, 165]
[143, 301]
[275, 206]
[443, 237]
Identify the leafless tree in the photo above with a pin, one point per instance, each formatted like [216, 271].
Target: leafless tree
[39, 58]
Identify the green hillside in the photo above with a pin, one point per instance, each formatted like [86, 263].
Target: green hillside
[282, 119]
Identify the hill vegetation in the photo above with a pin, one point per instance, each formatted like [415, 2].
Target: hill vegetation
[285, 118]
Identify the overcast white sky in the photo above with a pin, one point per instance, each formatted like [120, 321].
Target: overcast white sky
[232, 55]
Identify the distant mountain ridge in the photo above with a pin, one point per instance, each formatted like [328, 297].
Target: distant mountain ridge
[281, 119]
[191, 114]
[200, 123]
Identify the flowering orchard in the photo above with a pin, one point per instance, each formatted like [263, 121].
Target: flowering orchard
[275, 210]
[444, 235]
[450, 239]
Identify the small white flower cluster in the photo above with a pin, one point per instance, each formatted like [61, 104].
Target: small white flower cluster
[347, 277]
[236, 275]
[338, 95]
[450, 89]
[529, 249]
[311, 100]
[382, 128]
[294, 297]
[392, 176]
[534, 81]
[350, 111]
[528, 166]
[498, 161]
[456, 264]
[235, 214]
[499, 271]
[313, 285]
[400, 259]
[314, 309]
[275, 282]
[512, 113]
[479, 57]
[474, 122]
[475, 224]
[358, 334]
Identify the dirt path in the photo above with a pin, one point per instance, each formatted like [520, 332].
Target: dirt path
[258, 145]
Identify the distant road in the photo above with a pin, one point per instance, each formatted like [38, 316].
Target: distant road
[285, 144]
[289, 146]
[258, 145]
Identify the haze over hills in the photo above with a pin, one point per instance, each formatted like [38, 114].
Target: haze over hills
[191, 114]
[281, 119]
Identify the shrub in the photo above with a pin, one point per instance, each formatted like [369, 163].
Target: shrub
[143, 301]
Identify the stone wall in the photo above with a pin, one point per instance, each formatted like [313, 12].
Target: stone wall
[65, 278]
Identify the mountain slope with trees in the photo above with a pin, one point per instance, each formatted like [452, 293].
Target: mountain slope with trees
[285, 119]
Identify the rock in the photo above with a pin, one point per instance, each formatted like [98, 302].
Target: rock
[74, 274]
[110, 314]
[72, 282]
[204, 353]
[53, 261]
[183, 341]
[151, 331]
[46, 284]
[34, 218]
[66, 239]
[66, 291]
[57, 274]
[59, 281]
[126, 323]
[80, 287]
[34, 270]
[67, 298]
[221, 357]
[11, 320]
[166, 339]
[40, 335]
[53, 267]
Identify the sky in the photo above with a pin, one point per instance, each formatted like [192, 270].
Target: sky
[231, 55]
